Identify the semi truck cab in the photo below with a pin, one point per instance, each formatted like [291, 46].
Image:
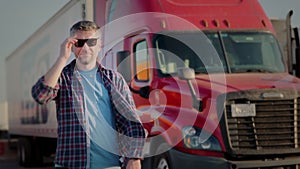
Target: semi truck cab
[209, 80]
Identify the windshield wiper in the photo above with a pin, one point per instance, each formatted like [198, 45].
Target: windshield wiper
[252, 70]
[200, 72]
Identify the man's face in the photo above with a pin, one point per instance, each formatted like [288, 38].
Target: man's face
[87, 47]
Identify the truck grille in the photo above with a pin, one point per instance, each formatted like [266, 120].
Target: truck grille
[275, 126]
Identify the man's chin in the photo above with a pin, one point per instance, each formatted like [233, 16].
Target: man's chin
[84, 61]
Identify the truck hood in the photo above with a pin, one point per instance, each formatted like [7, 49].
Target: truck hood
[237, 82]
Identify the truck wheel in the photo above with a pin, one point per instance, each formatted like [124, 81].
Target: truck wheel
[162, 160]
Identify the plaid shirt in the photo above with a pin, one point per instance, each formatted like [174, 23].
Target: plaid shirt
[73, 142]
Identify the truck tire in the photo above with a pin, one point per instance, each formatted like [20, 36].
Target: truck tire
[162, 159]
[28, 153]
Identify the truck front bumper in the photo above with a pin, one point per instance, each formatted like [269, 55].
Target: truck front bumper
[182, 160]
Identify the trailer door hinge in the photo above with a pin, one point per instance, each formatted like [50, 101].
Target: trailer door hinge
[83, 6]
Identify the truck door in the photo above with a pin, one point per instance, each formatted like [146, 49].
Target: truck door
[135, 64]
[141, 69]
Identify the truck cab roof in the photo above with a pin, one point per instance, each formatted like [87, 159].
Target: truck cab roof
[205, 14]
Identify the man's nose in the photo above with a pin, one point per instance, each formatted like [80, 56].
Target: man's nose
[84, 47]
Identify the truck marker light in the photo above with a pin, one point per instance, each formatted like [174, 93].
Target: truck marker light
[204, 23]
[216, 23]
[264, 23]
[226, 23]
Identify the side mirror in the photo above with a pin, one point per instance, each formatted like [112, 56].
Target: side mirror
[185, 73]
[143, 92]
[188, 74]
[123, 64]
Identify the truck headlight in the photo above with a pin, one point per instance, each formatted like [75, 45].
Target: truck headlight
[195, 138]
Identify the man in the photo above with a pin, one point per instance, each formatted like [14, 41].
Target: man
[92, 103]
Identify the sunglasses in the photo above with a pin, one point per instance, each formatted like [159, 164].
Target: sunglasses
[90, 42]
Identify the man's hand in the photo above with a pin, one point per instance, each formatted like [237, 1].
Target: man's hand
[52, 76]
[134, 164]
[66, 47]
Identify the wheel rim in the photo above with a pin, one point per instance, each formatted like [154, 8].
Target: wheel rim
[162, 164]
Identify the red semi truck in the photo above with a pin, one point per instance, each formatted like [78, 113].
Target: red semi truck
[211, 84]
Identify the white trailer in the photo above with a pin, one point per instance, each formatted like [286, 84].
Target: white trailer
[3, 119]
[35, 125]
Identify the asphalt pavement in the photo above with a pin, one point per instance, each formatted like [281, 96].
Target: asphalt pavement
[9, 160]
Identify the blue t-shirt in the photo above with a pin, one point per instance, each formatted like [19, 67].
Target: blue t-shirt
[104, 144]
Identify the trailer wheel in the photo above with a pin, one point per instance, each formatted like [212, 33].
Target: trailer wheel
[28, 153]
[24, 152]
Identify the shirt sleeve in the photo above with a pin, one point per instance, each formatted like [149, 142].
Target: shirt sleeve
[134, 131]
[42, 93]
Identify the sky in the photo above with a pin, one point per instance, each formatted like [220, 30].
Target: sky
[280, 9]
[21, 18]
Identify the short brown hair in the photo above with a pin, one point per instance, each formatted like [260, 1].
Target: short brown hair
[84, 26]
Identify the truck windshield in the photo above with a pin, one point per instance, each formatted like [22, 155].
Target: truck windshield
[217, 52]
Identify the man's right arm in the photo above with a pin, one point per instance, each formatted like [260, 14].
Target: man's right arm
[52, 76]
[46, 88]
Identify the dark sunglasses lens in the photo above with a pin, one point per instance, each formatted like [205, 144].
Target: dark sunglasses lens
[80, 42]
[91, 42]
